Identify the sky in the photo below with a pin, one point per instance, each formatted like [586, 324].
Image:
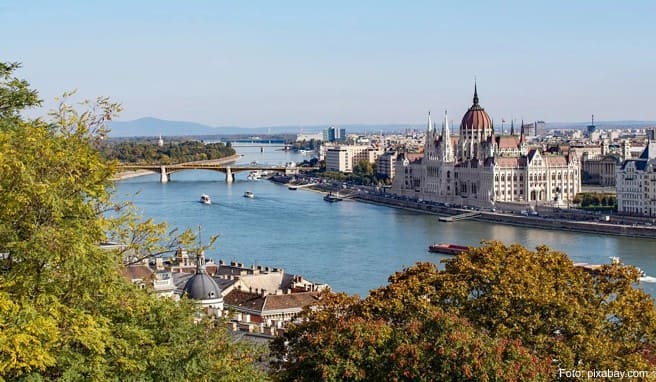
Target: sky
[271, 63]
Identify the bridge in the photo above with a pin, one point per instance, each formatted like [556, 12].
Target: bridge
[165, 171]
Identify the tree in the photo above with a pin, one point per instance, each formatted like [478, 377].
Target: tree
[555, 309]
[503, 312]
[346, 339]
[65, 311]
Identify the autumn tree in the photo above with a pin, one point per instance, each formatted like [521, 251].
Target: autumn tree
[65, 311]
[348, 339]
[498, 309]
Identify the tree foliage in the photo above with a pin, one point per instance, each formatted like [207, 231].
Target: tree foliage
[170, 153]
[494, 313]
[65, 311]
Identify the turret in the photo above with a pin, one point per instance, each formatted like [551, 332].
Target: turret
[447, 152]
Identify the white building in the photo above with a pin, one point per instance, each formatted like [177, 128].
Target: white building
[480, 168]
[309, 136]
[344, 157]
[386, 164]
[636, 182]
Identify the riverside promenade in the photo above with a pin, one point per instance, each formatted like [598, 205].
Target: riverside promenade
[555, 220]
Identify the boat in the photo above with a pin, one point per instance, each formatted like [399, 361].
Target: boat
[614, 260]
[332, 198]
[249, 194]
[293, 188]
[205, 199]
[254, 175]
[447, 249]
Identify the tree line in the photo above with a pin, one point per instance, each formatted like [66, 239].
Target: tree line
[169, 153]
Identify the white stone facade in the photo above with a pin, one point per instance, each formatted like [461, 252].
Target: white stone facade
[636, 183]
[479, 168]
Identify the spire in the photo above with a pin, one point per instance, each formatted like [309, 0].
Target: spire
[199, 255]
[447, 155]
[475, 93]
[430, 122]
[522, 137]
[512, 127]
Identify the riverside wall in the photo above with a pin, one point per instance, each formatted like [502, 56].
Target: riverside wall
[543, 222]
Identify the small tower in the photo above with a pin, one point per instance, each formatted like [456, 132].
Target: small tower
[605, 150]
[447, 152]
[160, 141]
[429, 137]
[626, 149]
[512, 127]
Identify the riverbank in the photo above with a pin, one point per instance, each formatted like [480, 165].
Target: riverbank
[133, 174]
[542, 222]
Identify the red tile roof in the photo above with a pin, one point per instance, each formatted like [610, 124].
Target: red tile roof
[290, 301]
[136, 272]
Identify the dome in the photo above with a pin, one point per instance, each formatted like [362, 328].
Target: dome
[476, 122]
[201, 286]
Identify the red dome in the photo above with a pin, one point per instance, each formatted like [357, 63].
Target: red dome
[476, 121]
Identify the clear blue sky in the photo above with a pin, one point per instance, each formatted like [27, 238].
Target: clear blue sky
[265, 63]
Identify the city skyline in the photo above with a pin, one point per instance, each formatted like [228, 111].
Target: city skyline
[264, 64]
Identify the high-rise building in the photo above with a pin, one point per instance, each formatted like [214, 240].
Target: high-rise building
[333, 134]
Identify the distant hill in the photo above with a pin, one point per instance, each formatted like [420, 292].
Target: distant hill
[152, 127]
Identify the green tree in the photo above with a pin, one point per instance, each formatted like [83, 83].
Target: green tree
[65, 311]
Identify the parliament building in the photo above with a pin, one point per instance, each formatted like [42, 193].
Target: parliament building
[480, 168]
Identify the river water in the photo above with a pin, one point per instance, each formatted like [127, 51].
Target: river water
[351, 246]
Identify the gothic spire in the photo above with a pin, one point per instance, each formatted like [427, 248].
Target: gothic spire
[512, 127]
[475, 94]
[430, 122]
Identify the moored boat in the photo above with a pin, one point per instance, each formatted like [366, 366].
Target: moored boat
[249, 194]
[448, 249]
[332, 198]
[254, 175]
[205, 199]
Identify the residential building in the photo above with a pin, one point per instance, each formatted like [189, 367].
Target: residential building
[344, 158]
[386, 164]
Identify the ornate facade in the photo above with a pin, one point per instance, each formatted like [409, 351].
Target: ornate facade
[636, 182]
[480, 168]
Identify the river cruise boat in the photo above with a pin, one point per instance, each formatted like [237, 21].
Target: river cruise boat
[447, 249]
[249, 194]
[205, 199]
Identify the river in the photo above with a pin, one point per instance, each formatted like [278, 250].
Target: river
[351, 246]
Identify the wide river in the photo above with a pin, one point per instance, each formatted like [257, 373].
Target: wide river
[351, 246]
